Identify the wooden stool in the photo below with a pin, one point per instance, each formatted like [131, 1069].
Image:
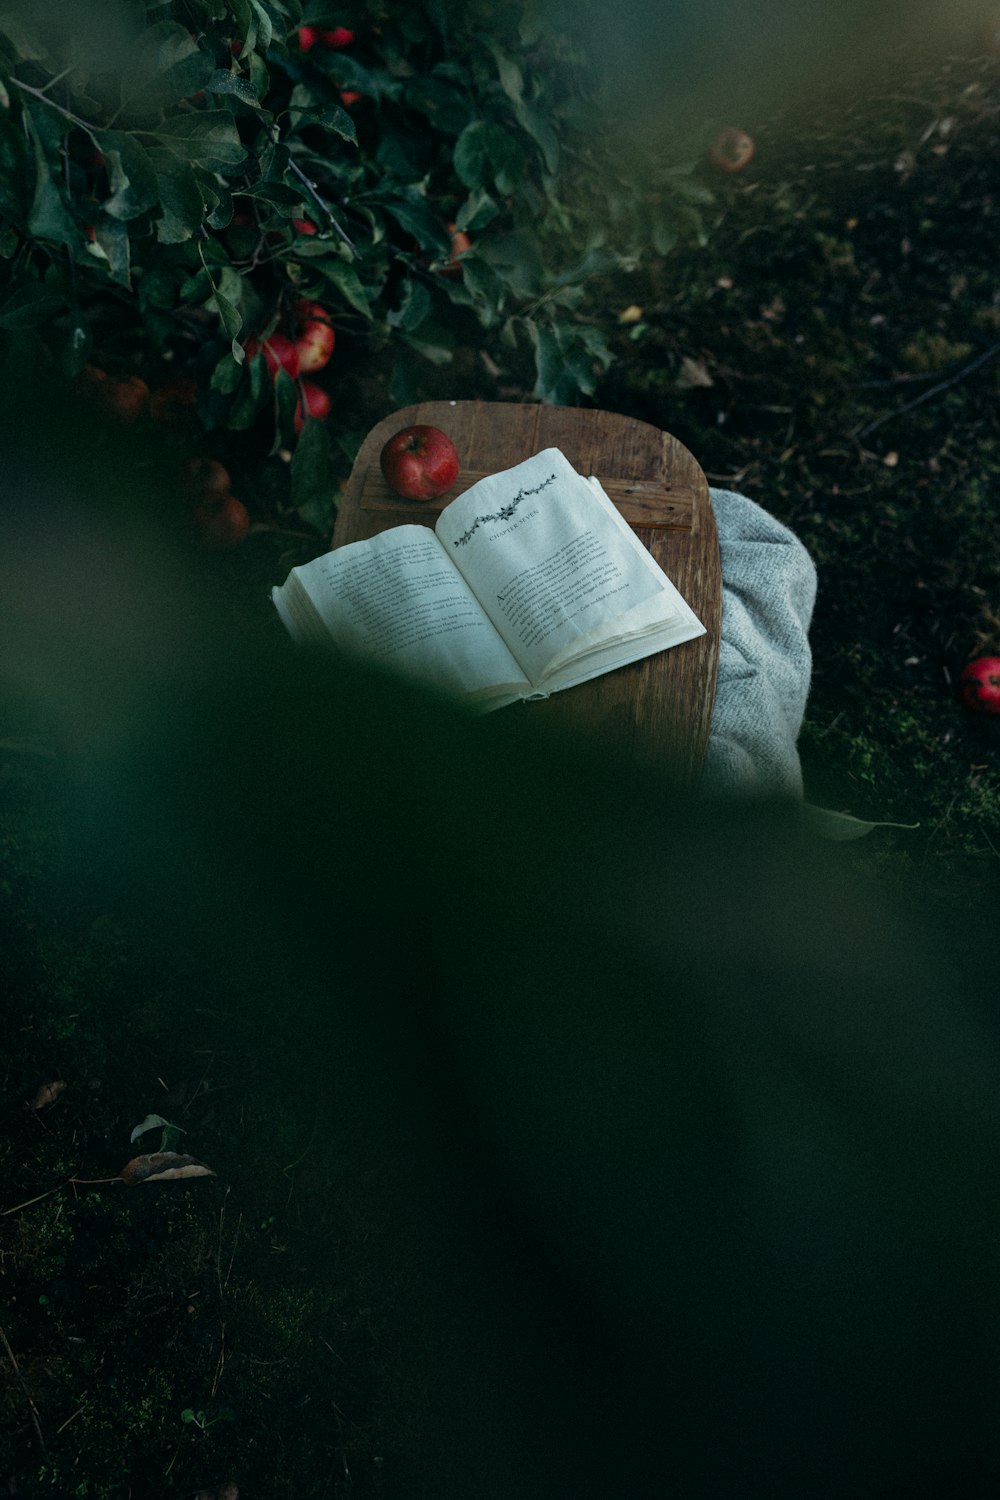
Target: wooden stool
[653, 709]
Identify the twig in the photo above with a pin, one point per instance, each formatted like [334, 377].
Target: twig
[935, 390]
[26, 88]
[27, 1394]
[28, 1201]
[69, 1420]
[211, 1060]
[318, 199]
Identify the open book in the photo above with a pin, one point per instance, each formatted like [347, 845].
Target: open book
[530, 582]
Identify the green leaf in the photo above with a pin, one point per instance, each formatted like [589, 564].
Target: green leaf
[227, 375]
[197, 287]
[15, 171]
[253, 396]
[209, 137]
[281, 194]
[263, 24]
[511, 77]
[537, 124]
[286, 397]
[413, 215]
[517, 259]
[447, 108]
[312, 476]
[487, 154]
[485, 286]
[166, 66]
[224, 82]
[477, 211]
[549, 364]
[840, 827]
[402, 153]
[217, 197]
[227, 299]
[242, 15]
[134, 188]
[49, 218]
[345, 278]
[180, 198]
[150, 1123]
[111, 236]
[29, 306]
[260, 78]
[17, 28]
[303, 110]
[414, 307]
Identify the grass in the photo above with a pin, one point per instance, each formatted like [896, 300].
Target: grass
[848, 272]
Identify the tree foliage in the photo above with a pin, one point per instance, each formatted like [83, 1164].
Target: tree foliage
[200, 164]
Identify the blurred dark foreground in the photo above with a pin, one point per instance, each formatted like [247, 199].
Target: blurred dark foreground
[699, 1132]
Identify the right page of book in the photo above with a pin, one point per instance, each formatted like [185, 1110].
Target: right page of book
[565, 581]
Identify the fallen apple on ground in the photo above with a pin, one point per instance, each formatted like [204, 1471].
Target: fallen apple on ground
[980, 681]
[124, 401]
[732, 150]
[172, 406]
[221, 522]
[420, 463]
[201, 477]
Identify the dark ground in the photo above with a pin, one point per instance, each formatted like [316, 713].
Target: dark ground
[850, 272]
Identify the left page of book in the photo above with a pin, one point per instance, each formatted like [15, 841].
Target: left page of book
[398, 601]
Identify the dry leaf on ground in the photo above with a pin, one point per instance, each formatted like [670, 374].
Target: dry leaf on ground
[48, 1093]
[693, 373]
[160, 1166]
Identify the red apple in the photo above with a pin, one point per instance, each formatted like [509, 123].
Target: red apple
[340, 36]
[279, 353]
[220, 521]
[304, 226]
[308, 37]
[202, 477]
[171, 406]
[459, 242]
[420, 463]
[92, 379]
[315, 337]
[349, 97]
[313, 403]
[125, 400]
[981, 685]
[731, 150]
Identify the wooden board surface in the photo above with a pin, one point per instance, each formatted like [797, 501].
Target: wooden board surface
[652, 710]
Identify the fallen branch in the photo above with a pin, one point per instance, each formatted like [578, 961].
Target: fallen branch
[935, 390]
[27, 1394]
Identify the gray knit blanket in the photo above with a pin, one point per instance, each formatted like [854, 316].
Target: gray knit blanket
[765, 664]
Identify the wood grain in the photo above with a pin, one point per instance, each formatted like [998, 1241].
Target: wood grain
[657, 710]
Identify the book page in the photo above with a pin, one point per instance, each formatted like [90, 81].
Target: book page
[671, 627]
[397, 600]
[548, 564]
